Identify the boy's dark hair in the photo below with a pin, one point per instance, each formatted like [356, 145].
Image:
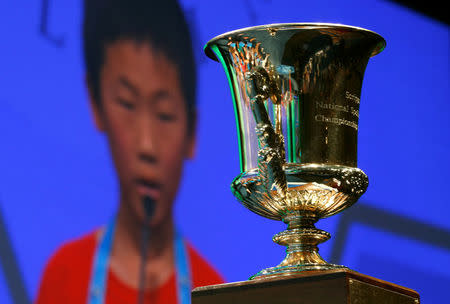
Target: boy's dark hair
[160, 23]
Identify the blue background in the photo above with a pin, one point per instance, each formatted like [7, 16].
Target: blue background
[57, 180]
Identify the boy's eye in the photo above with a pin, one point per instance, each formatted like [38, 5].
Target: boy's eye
[126, 103]
[166, 116]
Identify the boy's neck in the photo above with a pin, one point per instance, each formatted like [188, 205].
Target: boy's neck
[126, 250]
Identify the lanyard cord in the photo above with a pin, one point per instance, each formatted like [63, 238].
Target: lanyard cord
[97, 286]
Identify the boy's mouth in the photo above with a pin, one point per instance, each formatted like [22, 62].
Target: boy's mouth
[148, 187]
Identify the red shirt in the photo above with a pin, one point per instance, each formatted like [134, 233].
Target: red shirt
[67, 276]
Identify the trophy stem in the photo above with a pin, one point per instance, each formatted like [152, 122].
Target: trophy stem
[301, 239]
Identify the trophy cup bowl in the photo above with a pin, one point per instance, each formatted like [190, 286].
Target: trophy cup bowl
[296, 90]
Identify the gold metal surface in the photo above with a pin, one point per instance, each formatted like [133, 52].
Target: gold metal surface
[296, 89]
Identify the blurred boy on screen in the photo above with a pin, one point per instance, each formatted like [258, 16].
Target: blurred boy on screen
[141, 82]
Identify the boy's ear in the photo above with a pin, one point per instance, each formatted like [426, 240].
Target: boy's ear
[96, 111]
[192, 140]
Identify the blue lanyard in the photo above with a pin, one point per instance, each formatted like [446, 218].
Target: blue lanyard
[97, 286]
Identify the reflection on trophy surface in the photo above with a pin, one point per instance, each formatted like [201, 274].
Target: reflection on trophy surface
[296, 91]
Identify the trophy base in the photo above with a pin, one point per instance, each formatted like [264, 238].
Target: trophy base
[292, 271]
[322, 287]
[302, 253]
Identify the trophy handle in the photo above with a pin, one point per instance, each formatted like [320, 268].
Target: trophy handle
[301, 237]
[271, 154]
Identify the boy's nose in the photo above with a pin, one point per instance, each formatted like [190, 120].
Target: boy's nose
[146, 140]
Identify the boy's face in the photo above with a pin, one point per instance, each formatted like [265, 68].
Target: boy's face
[143, 113]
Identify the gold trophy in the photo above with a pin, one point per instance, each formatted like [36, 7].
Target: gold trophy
[296, 91]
